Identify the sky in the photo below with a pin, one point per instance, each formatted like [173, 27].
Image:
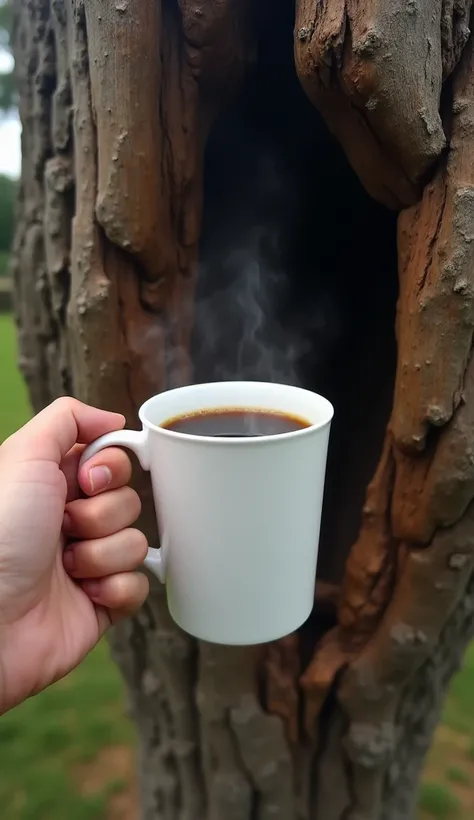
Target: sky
[10, 131]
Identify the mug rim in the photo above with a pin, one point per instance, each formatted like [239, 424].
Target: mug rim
[243, 441]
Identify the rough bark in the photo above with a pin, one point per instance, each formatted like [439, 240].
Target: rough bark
[375, 70]
[117, 102]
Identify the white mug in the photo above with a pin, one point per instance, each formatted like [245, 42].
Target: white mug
[239, 518]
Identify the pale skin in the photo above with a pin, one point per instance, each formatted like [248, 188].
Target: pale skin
[68, 554]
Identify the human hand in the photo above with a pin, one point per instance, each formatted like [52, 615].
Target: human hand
[66, 562]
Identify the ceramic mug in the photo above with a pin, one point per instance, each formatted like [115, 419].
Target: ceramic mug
[239, 518]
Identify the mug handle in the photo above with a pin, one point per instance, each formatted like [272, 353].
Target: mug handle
[137, 443]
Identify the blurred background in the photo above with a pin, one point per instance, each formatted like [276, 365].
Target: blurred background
[69, 752]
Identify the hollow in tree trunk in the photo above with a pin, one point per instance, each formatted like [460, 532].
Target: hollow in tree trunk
[228, 189]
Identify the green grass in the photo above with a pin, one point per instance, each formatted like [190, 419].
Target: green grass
[437, 801]
[458, 713]
[14, 406]
[457, 775]
[445, 792]
[44, 740]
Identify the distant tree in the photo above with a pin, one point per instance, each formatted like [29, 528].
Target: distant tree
[8, 103]
[7, 86]
[7, 200]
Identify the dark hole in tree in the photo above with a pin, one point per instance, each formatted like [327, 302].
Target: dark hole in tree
[297, 277]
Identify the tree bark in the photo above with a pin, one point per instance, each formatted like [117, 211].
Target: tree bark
[137, 202]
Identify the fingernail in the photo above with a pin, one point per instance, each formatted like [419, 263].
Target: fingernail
[68, 559]
[99, 477]
[91, 587]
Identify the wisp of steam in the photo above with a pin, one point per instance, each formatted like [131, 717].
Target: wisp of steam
[253, 321]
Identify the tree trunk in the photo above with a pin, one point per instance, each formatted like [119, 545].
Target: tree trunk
[184, 214]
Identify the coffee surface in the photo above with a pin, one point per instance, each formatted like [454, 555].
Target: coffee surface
[236, 423]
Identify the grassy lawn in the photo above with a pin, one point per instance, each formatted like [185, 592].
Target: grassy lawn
[14, 409]
[447, 790]
[68, 753]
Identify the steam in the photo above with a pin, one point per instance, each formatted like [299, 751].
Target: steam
[260, 314]
[238, 334]
[256, 326]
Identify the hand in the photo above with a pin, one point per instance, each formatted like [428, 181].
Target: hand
[66, 562]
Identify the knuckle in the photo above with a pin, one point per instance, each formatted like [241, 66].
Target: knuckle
[128, 590]
[97, 552]
[139, 544]
[121, 591]
[144, 588]
[64, 403]
[123, 461]
[97, 514]
[88, 556]
[133, 501]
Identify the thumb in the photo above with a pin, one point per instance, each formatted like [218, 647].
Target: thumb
[52, 433]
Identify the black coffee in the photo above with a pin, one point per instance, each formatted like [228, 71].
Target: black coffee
[233, 422]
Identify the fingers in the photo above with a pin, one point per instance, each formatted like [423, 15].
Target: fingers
[116, 596]
[101, 515]
[122, 552]
[50, 435]
[107, 470]
[104, 568]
